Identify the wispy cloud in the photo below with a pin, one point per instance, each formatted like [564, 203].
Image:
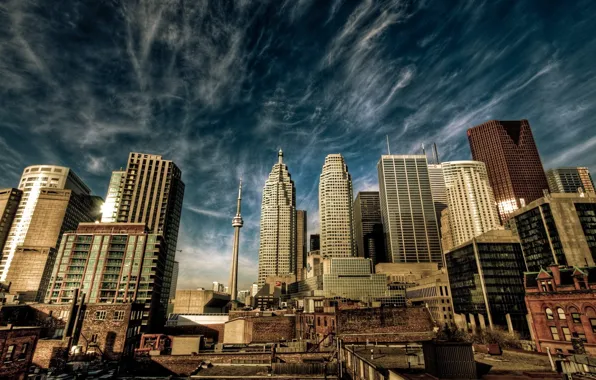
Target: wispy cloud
[212, 213]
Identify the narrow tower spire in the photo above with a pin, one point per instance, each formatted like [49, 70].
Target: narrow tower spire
[237, 223]
[388, 149]
[436, 154]
[280, 156]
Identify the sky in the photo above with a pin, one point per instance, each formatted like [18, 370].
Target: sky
[219, 86]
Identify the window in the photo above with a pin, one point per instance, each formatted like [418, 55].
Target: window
[582, 336]
[549, 314]
[593, 324]
[24, 349]
[119, 315]
[554, 333]
[576, 318]
[566, 333]
[561, 313]
[9, 353]
[100, 315]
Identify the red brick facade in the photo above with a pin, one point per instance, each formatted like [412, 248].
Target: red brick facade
[17, 346]
[562, 304]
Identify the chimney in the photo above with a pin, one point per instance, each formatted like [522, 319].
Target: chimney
[556, 273]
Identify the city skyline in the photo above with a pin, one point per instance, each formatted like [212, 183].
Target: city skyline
[222, 112]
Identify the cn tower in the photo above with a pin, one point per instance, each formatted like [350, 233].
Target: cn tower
[237, 223]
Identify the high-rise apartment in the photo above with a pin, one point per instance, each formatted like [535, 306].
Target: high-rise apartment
[569, 180]
[277, 246]
[470, 200]
[112, 263]
[152, 193]
[368, 227]
[9, 203]
[46, 180]
[512, 161]
[301, 248]
[407, 210]
[335, 208]
[109, 211]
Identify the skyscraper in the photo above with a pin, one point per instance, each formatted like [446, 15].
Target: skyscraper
[569, 180]
[152, 193]
[437, 188]
[512, 161]
[301, 248]
[470, 200]
[335, 208]
[9, 203]
[368, 226]
[175, 273]
[315, 242]
[407, 210]
[109, 211]
[36, 180]
[277, 246]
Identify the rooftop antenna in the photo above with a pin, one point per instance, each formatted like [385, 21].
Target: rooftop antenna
[436, 154]
[423, 151]
[388, 149]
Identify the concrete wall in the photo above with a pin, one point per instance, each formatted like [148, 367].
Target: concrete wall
[186, 345]
[235, 331]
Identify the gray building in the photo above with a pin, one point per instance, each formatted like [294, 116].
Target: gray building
[557, 229]
[569, 180]
[438, 190]
[368, 227]
[407, 210]
[301, 249]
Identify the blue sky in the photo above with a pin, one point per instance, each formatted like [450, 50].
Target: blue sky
[219, 86]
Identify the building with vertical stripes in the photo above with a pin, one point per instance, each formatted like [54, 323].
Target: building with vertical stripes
[471, 203]
[277, 245]
[569, 180]
[407, 210]
[152, 192]
[335, 208]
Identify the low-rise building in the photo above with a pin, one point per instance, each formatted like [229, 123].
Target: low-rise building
[433, 291]
[201, 301]
[109, 331]
[561, 303]
[17, 345]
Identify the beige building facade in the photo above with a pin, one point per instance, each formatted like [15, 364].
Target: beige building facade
[30, 272]
[470, 200]
[9, 203]
[336, 209]
[277, 245]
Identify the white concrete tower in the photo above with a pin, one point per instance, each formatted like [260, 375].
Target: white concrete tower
[470, 200]
[237, 223]
[335, 208]
[277, 246]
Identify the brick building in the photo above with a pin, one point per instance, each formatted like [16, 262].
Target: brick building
[561, 303]
[17, 345]
[271, 329]
[107, 330]
[361, 324]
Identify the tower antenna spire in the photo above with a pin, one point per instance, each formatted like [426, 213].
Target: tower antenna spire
[388, 149]
[237, 223]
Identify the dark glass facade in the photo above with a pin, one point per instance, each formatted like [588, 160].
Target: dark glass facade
[315, 242]
[587, 217]
[515, 171]
[496, 267]
[368, 227]
[534, 228]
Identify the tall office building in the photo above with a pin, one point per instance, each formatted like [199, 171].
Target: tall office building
[109, 211]
[9, 203]
[315, 242]
[112, 263]
[335, 208]
[175, 273]
[470, 200]
[368, 227]
[437, 188]
[301, 249]
[407, 210]
[35, 181]
[277, 246]
[569, 180]
[512, 161]
[152, 193]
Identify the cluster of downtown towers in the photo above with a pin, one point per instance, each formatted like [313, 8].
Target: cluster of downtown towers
[422, 208]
